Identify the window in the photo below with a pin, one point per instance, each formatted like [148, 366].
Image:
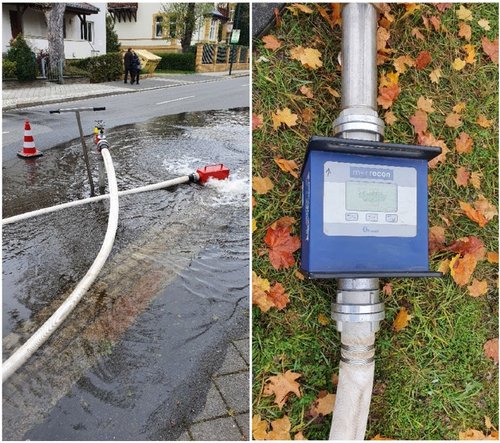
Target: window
[87, 31]
[172, 31]
[213, 25]
[158, 26]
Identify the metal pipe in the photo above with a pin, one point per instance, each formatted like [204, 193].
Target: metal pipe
[85, 153]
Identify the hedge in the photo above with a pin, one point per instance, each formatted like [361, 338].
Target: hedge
[8, 69]
[102, 68]
[177, 61]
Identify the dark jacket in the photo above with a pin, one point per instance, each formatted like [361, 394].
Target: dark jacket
[136, 63]
[127, 59]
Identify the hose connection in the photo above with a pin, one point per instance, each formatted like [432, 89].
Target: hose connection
[102, 144]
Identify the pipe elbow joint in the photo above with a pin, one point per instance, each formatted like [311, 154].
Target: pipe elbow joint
[102, 144]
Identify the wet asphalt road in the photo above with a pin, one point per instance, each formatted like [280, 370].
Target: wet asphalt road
[133, 361]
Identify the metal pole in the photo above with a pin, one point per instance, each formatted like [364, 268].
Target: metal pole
[85, 153]
[236, 17]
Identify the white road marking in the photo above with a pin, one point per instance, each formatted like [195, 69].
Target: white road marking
[175, 100]
[246, 84]
[6, 132]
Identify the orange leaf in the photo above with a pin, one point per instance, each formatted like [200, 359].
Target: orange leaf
[491, 349]
[423, 59]
[436, 22]
[492, 257]
[485, 208]
[325, 15]
[332, 92]
[281, 385]
[307, 115]
[471, 54]
[402, 320]
[402, 62]
[465, 31]
[299, 436]
[283, 222]
[491, 49]
[444, 266]
[379, 437]
[425, 104]
[382, 37]
[463, 143]
[284, 116]
[259, 428]
[435, 75]
[453, 120]
[469, 245]
[436, 239]
[323, 319]
[441, 7]
[281, 247]
[417, 34]
[419, 121]
[309, 57]
[261, 185]
[306, 91]
[280, 429]
[387, 289]
[390, 118]
[461, 269]
[303, 8]
[323, 405]
[462, 176]
[271, 42]
[257, 121]
[478, 288]
[299, 275]
[474, 215]
[288, 166]
[429, 140]
[471, 434]
[278, 296]
[388, 95]
[484, 122]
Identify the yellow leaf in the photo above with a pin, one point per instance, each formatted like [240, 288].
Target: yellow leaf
[459, 107]
[323, 319]
[390, 118]
[280, 429]
[471, 54]
[259, 296]
[475, 179]
[478, 288]
[485, 24]
[471, 434]
[261, 185]
[401, 63]
[411, 8]
[402, 320]
[453, 120]
[458, 64]
[464, 13]
[259, 428]
[287, 166]
[309, 57]
[254, 225]
[444, 266]
[425, 104]
[435, 75]
[299, 275]
[284, 116]
[301, 7]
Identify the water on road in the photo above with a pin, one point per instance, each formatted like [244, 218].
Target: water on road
[133, 361]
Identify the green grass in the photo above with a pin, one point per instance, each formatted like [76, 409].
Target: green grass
[432, 379]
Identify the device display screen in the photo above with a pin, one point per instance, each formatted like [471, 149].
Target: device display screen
[369, 196]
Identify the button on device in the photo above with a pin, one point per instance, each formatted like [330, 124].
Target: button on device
[351, 216]
[391, 218]
[372, 217]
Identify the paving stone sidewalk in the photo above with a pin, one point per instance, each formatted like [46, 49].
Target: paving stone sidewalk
[225, 415]
[45, 92]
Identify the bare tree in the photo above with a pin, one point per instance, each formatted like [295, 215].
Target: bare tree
[54, 15]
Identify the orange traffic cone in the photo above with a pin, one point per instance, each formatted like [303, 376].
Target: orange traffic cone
[29, 150]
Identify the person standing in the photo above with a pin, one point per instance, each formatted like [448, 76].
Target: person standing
[127, 62]
[136, 68]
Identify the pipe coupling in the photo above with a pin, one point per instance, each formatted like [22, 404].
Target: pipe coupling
[358, 355]
[362, 120]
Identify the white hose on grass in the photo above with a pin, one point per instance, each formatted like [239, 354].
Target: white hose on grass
[154, 187]
[19, 357]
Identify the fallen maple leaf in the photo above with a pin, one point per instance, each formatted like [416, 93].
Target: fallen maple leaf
[401, 63]
[306, 91]
[471, 434]
[289, 166]
[469, 245]
[459, 107]
[388, 95]
[463, 143]
[458, 64]
[261, 185]
[464, 13]
[307, 115]
[453, 120]
[436, 22]
[487, 209]
[483, 121]
[259, 428]
[419, 121]
[382, 37]
[278, 296]
[441, 7]
[444, 266]
[471, 54]
[284, 116]
[390, 79]
[462, 177]
[423, 59]
[257, 121]
[478, 288]
[325, 15]
[435, 75]
[474, 215]
[309, 57]
[436, 239]
[485, 24]
[461, 268]
[491, 349]
[425, 104]
[417, 34]
[402, 320]
[280, 429]
[281, 247]
[475, 179]
[281, 385]
[299, 275]
[260, 286]
[429, 140]
[387, 289]
[411, 8]
[323, 405]
[465, 31]
[390, 118]
[492, 257]
[283, 222]
[299, 436]
[490, 48]
[303, 8]
[271, 42]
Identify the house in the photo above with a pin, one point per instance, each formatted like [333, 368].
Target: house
[148, 26]
[84, 27]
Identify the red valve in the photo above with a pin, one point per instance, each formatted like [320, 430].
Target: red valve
[219, 172]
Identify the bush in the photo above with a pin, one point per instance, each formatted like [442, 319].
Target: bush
[8, 68]
[102, 68]
[21, 53]
[177, 61]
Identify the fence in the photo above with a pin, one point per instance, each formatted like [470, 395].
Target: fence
[215, 58]
[52, 73]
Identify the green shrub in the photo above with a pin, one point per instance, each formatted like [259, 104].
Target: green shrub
[72, 70]
[103, 68]
[8, 68]
[21, 53]
[177, 61]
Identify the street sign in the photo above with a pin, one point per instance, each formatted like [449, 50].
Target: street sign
[235, 36]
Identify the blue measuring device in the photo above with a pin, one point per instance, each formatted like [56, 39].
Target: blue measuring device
[364, 209]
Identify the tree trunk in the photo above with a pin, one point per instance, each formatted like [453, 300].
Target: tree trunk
[55, 36]
[189, 27]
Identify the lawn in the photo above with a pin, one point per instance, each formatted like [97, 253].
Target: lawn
[433, 379]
